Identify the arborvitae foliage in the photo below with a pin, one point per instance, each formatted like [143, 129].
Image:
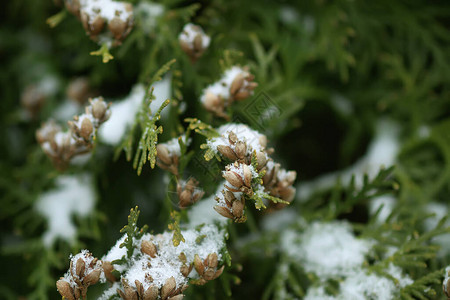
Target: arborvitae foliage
[303, 149]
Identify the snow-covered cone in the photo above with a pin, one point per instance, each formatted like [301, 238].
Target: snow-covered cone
[188, 193]
[79, 90]
[193, 41]
[236, 84]
[207, 269]
[103, 19]
[32, 99]
[231, 205]
[62, 146]
[85, 270]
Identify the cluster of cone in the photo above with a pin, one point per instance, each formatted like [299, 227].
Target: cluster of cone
[242, 177]
[168, 157]
[62, 146]
[95, 21]
[168, 291]
[85, 270]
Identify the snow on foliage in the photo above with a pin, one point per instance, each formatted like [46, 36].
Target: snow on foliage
[72, 195]
[326, 249]
[123, 113]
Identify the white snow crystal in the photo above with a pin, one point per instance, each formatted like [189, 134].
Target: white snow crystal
[116, 253]
[122, 116]
[326, 249]
[397, 273]
[362, 286]
[317, 293]
[166, 264]
[73, 195]
[105, 8]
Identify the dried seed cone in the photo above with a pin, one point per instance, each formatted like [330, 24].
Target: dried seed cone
[227, 152]
[188, 194]
[234, 179]
[261, 160]
[223, 211]
[32, 99]
[78, 90]
[92, 278]
[87, 129]
[240, 149]
[198, 265]
[149, 248]
[168, 288]
[237, 83]
[242, 86]
[65, 289]
[100, 109]
[166, 161]
[185, 270]
[207, 269]
[73, 6]
[151, 293]
[96, 26]
[108, 268]
[247, 175]
[213, 103]
[163, 154]
[80, 267]
[117, 27]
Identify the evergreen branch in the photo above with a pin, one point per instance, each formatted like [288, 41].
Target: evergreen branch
[104, 53]
[132, 231]
[146, 119]
[175, 228]
[202, 128]
[164, 69]
[54, 20]
[343, 200]
[421, 287]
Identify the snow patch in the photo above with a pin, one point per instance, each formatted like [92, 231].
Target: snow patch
[72, 195]
[326, 249]
[208, 239]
